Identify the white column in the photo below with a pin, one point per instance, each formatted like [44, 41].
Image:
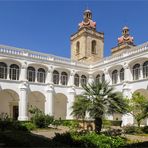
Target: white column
[107, 77]
[127, 73]
[71, 78]
[49, 100]
[71, 98]
[90, 79]
[49, 75]
[8, 72]
[118, 77]
[23, 73]
[127, 119]
[141, 73]
[23, 102]
[36, 75]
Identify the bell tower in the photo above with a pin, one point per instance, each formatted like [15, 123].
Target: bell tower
[87, 44]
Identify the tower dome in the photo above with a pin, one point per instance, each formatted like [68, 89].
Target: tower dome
[87, 20]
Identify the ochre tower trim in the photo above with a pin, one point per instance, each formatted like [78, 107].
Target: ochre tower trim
[87, 44]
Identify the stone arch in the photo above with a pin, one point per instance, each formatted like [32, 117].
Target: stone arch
[36, 99]
[9, 103]
[60, 106]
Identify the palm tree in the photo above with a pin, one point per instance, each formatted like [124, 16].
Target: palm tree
[102, 99]
[80, 108]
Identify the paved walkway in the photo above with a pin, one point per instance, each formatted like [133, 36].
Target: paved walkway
[50, 133]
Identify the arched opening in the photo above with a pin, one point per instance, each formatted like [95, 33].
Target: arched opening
[55, 77]
[114, 77]
[64, 78]
[83, 80]
[60, 106]
[36, 100]
[78, 47]
[14, 72]
[98, 78]
[3, 70]
[93, 47]
[145, 69]
[122, 75]
[136, 72]
[103, 77]
[41, 75]
[76, 80]
[9, 102]
[31, 74]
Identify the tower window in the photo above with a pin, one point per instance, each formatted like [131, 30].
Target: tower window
[78, 47]
[93, 47]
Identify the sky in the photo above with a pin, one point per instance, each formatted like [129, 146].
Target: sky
[46, 26]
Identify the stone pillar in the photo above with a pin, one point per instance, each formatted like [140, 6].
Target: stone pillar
[49, 75]
[107, 77]
[71, 98]
[36, 75]
[127, 119]
[8, 72]
[23, 72]
[127, 73]
[90, 79]
[23, 102]
[49, 100]
[141, 73]
[71, 78]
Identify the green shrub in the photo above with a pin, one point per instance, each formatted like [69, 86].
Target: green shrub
[132, 130]
[30, 126]
[88, 140]
[56, 123]
[108, 123]
[73, 124]
[113, 132]
[40, 119]
[145, 129]
[12, 125]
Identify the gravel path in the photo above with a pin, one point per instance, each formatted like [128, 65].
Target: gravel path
[50, 133]
[140, 138]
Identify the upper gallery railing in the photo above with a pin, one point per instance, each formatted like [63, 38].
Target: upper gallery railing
[124, 53]
[37, 55]
[8, 50]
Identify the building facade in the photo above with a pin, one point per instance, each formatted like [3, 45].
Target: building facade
[50, 83]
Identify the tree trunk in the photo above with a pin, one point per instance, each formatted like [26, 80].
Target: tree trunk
[138, 122]
[98, 125]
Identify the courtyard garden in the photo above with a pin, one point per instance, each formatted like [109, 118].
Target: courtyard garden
[98, 99]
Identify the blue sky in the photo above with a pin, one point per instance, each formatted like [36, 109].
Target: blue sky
[46, 26]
